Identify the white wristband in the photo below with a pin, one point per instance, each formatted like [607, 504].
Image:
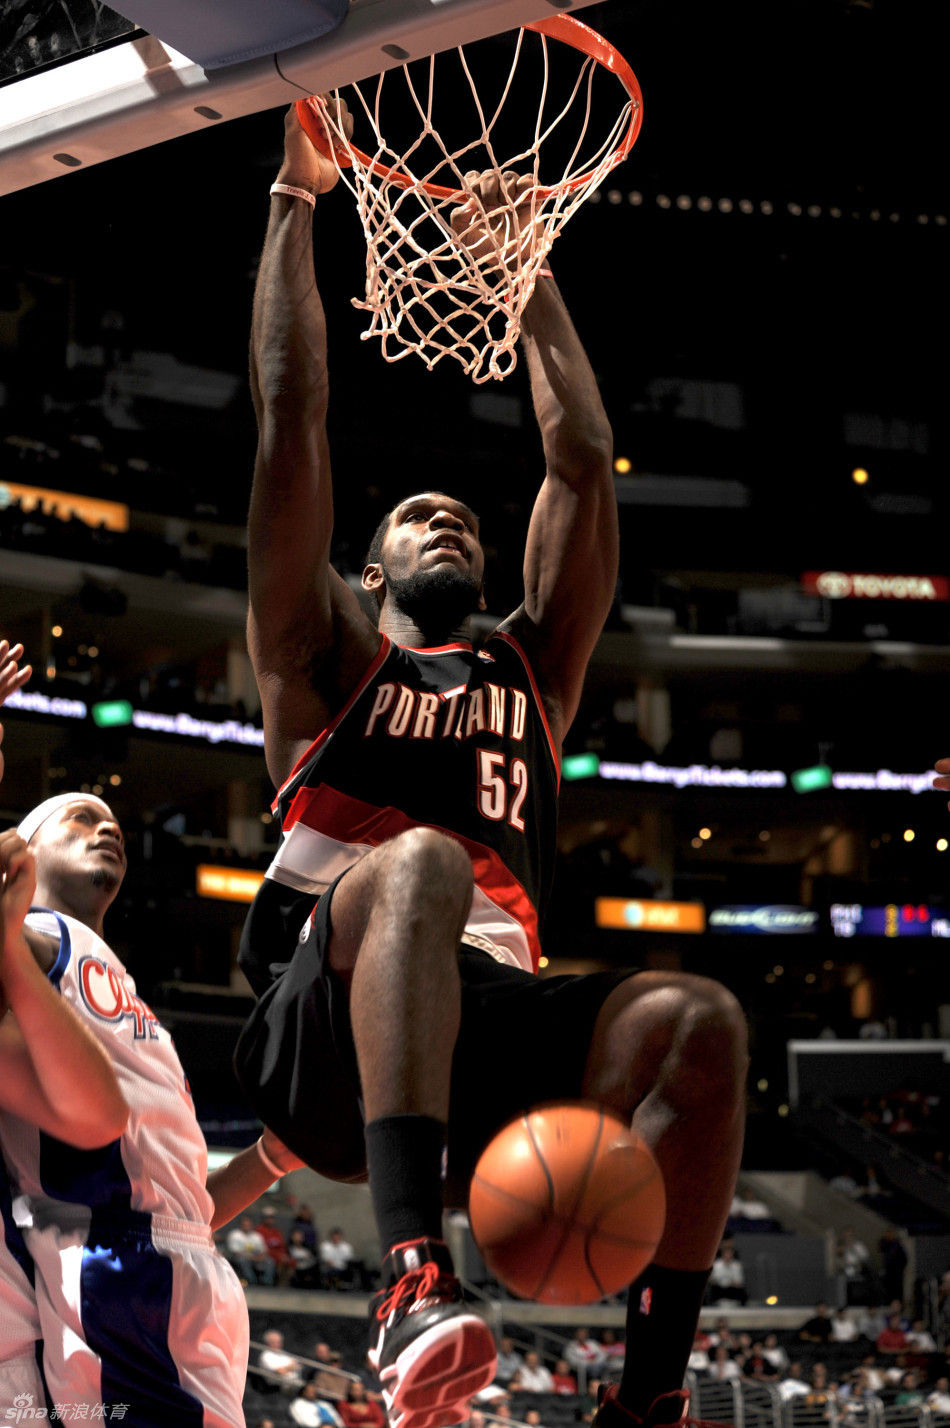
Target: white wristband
[292, 192]
[277, 1173]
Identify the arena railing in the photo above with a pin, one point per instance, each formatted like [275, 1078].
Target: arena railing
[271, 1377]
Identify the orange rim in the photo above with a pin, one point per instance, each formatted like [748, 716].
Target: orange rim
[559, 27]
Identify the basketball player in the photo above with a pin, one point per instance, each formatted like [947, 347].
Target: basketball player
[52, 1072]
[136, 1308]
[417, 795]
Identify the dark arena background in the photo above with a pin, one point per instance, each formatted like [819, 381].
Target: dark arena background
[762, 290]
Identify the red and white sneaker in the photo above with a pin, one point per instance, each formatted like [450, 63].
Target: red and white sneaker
[670, 1410]
[432, 1353]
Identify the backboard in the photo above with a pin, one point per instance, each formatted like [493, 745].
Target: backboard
[135, 91]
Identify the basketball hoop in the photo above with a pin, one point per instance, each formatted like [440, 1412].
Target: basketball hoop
[429, 293]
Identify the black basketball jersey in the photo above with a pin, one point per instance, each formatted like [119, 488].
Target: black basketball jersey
[447, 738]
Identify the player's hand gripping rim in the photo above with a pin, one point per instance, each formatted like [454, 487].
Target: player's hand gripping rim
[304, 165]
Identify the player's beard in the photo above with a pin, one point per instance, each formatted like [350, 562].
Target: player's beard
[439, 600]
[103, 878]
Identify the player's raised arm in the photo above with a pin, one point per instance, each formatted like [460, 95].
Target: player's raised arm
[571, 556]
[308, 638]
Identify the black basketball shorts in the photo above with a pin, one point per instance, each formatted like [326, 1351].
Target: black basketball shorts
[523, 1040]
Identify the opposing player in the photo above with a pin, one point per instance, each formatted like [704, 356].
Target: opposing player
[137, 1311]
[52, 1072]
[418, 787]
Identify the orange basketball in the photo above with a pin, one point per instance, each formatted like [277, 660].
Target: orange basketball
[567, 1205]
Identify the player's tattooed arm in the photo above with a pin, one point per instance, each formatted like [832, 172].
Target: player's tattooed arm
[308, 637]
[53, 1071]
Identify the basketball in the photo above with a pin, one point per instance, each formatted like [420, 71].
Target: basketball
[567, 1205]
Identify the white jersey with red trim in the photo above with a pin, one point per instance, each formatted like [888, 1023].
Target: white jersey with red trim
[160, 1164]
[447, 738]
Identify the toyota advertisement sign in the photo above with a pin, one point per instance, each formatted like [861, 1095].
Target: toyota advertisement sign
[847, 585]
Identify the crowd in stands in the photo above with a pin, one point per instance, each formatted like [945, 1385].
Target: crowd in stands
[262, 1252]
[333, 1389]
[912, 1118]
[841, 1357]
[835, 1354]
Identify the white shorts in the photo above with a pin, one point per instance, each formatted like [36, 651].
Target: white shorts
[149, 1316]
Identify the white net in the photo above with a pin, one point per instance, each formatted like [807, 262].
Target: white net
[430, 292]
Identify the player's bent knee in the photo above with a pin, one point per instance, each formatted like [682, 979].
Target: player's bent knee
[713, 1036]
[437, 861]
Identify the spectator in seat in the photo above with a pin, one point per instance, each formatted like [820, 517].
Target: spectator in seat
[303, 1221]
[306, 1271]
[564, 1381]
[871, 1321]
[369, 1378]
[588, 1400]
[248, 1253]
[358, 1410]
[852, 1255]
[843, 1328]
[331, 1383]
[820, 1392]
[533, 1418]
[757, 1365]
[793, 1384]
[727, 1279]
[911, 1394]
[775, 1353]
[892, 1340]
[723, 1335]
[276, 1244]
[535, 1377]
[278, 1366]
[614, 1353]
[872, 1189]
[938, 1400]
[338, 1259]
[873, 1377]
[855, 1407]
[310, 1411]
[747, 1206]
[492, 1396]
[817, 1329]
[895, 1370]
[723, 1367]
[583, 1352]
[509, 1361]
[845, 1184]
[920, 1339]
[699, 1358]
